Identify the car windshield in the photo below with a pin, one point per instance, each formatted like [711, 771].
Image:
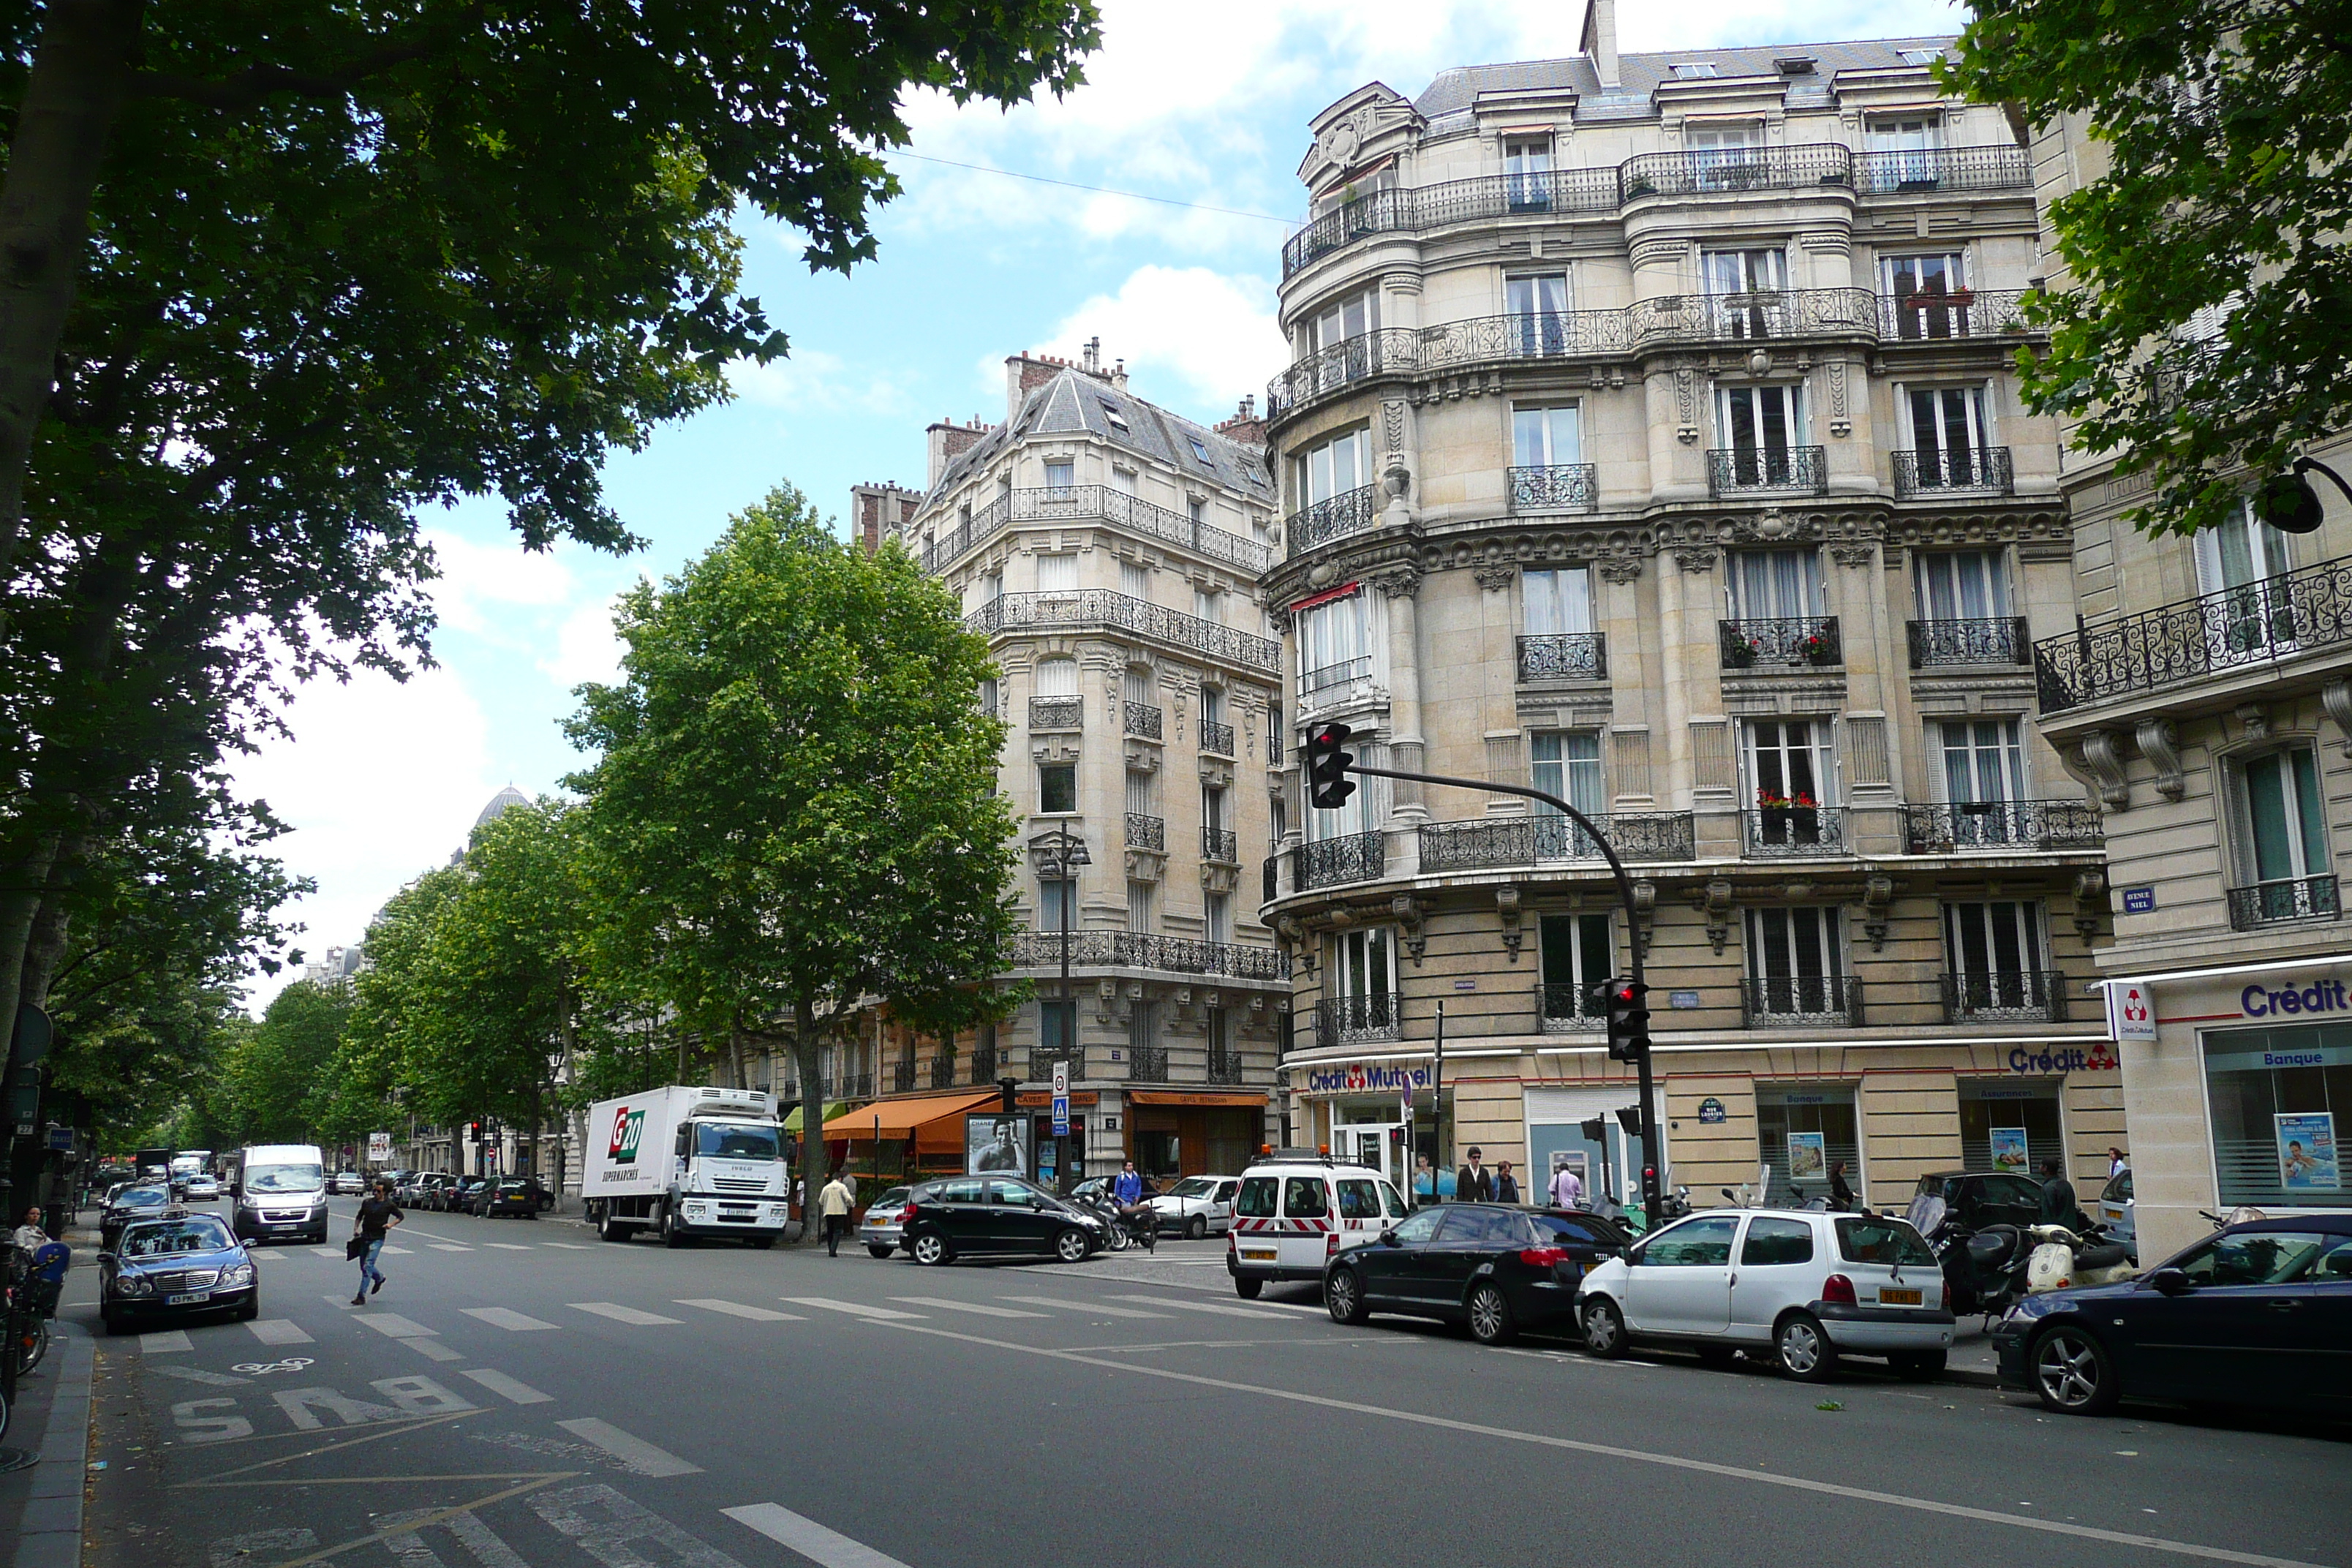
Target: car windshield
[171, 1237]
[2254, 1257]
[284, 1178]
[1192, 1187]
[132, 1197]
[734, 1140]
[894, 1198]
[1876, 1240]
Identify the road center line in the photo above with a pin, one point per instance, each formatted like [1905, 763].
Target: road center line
[1640, 1456]
[826, 1548]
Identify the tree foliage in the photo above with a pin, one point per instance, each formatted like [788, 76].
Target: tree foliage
[2207, 336]
[277, 1073]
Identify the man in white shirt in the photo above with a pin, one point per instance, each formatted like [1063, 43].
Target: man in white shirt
[1567, 1188]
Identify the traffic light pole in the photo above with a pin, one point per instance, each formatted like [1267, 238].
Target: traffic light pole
[1652, 1190]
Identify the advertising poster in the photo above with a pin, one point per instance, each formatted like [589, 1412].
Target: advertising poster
[2008, 1149]
[2307, 1153]
[992, 1144]
[1808, 1157]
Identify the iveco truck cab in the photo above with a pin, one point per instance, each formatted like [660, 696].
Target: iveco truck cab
[685, 1163]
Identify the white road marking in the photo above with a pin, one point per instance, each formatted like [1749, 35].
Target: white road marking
[279, 1331]
[826, 1548]
[856, 1309]
[738, 1310]
[508, 1318]
[506, 1387]
[615, 1530]
[163, 1341]
[1071, 1304]
[336, 1253]
[1217, 1307]
[433, 1349]
[448, 1247]
[570, 1246]
[508, 1246]
[391, 1251]
[634, 1452]
[619, 1314]
[945, 1305]
[392, 1326]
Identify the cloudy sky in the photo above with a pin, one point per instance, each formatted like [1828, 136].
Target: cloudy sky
[1204, 103]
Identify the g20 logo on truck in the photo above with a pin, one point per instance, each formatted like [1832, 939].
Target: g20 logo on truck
[628, 1129]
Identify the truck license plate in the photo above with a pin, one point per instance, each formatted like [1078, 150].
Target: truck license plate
[1898, 1298]
[1256, 1256]
[192, 1297]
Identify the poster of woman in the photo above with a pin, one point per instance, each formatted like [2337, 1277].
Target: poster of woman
[1808, 1156]
[2008, 1149]
[2307, 1153]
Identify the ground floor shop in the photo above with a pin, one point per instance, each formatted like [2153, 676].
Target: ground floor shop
[1170, 1133]
[1733, 1114]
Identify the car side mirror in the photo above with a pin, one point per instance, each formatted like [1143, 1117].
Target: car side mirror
[2172, 1282]
[1389, 1238]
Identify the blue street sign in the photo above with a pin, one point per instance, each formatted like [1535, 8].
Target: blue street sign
[1061, 1116]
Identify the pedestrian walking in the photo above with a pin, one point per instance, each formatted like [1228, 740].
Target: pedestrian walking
[377, 1215]
[1473, 1183]
[1567, 1188]
[2058, 1203]
[1841, 1194]
[2117, 1164]
[836, 1201]
[1506, 1185]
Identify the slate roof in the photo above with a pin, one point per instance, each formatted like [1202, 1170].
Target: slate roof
[1452, 92]
[1076, 403]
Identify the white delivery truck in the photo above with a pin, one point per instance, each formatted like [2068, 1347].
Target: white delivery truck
[686, 1161]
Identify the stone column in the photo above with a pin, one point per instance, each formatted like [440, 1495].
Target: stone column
[1399, 584]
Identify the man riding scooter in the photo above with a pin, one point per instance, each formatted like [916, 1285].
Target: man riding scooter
[1141, 1220]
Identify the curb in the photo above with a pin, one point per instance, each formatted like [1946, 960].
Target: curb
[49, 1535]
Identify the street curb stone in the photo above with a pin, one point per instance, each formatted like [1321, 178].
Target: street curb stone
[49, 1533]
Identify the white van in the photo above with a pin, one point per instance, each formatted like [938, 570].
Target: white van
[280, 1192]
[1294, 1214]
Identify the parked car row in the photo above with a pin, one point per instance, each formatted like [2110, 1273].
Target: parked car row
[483, 1197]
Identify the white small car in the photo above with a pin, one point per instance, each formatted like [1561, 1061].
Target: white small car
[1807, 1285]
[1294, 1214]
[1198, 1205]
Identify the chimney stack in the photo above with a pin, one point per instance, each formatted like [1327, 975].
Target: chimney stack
[945, 442]
[1599, 43]
[877, 510]
[1025, 374]
[1092, 364]
[1244, 428]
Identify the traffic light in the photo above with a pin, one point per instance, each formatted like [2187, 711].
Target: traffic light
[1328, 783]
[1629, 1019]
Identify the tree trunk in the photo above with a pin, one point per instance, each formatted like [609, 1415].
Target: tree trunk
[807, 1045]
[19, 908]
[734, 1057]
[81, 68]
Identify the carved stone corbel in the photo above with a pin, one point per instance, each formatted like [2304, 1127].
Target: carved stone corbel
[2104, 764]
[1408, 912]
[1507, 905]
[2090, 903]
[1621, 568]
[1645, 907]
[2337, 698]
[1877, 893]
[1495, 578]
[2161, 746]
[1719, 915]
[2256, 719]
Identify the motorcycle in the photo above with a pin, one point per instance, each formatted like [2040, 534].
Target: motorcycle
[2062, 1257]
[1115, 1230]
[1142, 1223]
[1986, 1271]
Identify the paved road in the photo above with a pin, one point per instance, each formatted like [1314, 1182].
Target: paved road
[522, 1394]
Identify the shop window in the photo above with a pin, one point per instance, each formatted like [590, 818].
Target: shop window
[1800, 1133]
[1156, 1153]
[2280, 1100]
[2010, 1126]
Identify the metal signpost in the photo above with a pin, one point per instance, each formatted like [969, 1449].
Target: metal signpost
[1059, 855]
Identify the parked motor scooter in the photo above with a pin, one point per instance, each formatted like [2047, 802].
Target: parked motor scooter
[2061, 1257]
[1142, 1224]
[1985, 1271]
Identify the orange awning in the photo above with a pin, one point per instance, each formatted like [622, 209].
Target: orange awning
[1163, 1097]
[902, 1118]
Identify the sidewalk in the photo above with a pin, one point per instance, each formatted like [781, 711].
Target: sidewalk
[40, 1506]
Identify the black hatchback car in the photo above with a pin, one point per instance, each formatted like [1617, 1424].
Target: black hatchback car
[1497, 1268]
[514, 1196]
[2259, 1313]
[967, 1215]
[178, 1264]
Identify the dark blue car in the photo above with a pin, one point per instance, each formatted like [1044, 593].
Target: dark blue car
[2257, 1314]
[180, 1266]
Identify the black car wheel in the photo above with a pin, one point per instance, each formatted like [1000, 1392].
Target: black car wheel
[1804, 1350]
[1247, 1288]
[2074, 1373]
[1490, 1315]
[1343, 1296]
[1604, 1328]
[930, 1249]
[610, 1229]
[1199, 1229]
[878, 1250]
[1072, 1246]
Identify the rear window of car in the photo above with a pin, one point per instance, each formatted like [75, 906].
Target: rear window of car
[1359, 1199]
[1255, 1200]
[1776, 1241]
[1889, 1241]
[2118, 1190]
[1305, 1198]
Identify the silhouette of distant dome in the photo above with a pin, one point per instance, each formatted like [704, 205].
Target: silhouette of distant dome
[498, 803]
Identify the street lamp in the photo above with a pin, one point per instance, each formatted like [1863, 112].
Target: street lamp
[2288, 502]
[1059, 855]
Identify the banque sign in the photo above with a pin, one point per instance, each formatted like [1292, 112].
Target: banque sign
[1366, 1078]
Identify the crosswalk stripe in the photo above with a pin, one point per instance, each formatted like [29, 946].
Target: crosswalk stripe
[508, 1246]
[1217, 1307]
[508, 1318]
[825, 1548]
[279, 1331]
[738, 1310]
[506, 1387]
[391, 1251]
[634, 1452]
[164, 1341]
[619, 1314]
[335, 1253]
[945, 1305]
[448, 1247]
[433, 1349]
[570, 1246]
[855, 1309]
[1069, 1304]
[391, 1325]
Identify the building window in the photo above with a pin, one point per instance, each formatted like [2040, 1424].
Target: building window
[1058, 1032]
[989, 701]
[1334, 645]
[1360, 1001]
[1995, 958]
[1141, 795]
[1208, 605]
[1057, 677]
[2282, 839]
[1578, 952]
[1912, 138]
[1963, 585]
[1538, 304]
[1527, 172]
[1796, 964]
[1726, 157]
[1060, 473]
[1921, 57]
[1565, 762]
[1775, 585]
[2277, 1128]
[1546, 436]
[1789, 762]
[1196, 509]
[1057, 906]
[1200, 449]
[1057, 788]
[1212, 705]
[1762, 427]
[1123, 480]
[1984, 760]
[1138, 906]
[1218, 915]
[1802, 1129]
[1557, 602]
[1057, 573]
[1334, 468]
[1112, 411]
[2239, 551]
[1349, 318]
[1691, 70]
[1948, 436]
[1134, 580]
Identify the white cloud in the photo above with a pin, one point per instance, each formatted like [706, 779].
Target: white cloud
[1215, 332]
[475, 577]
[811, 380]
[586, 647]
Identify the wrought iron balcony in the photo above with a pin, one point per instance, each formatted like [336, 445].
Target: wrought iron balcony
[1455, 201]
[2000, 639]
[1221, 845]
[983, 1064]
[1224, 1066]
[2284, 902]
[1146, 950]
[944, 1072]
[1508, 841]
[1792, 832]
[1712, 171]
[1146, 1064]
[1921, 169]
[855, 1086]
[2024, 996]
[1140, 719]
[1349, 1020]
[902, 1078]
[1112, 505]
[1349, 511]
[1042, 1060]
[1337, 366]
[1147, 832]
[1057, 712]
[2301, 611]
[1834, 999]
[1097, 607]
[1327, 862]
[1760, 315]
[2002, 826]
[1757, 470]
[1786, 640]
[1331, 683]
[1522, 335]
[1935, 315]
[1565, 1009]
[1978, 470]
[1217, 739]
[1564, 655]
[1555, 487]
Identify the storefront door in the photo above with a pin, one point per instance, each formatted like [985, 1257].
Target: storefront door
[1802, 1131]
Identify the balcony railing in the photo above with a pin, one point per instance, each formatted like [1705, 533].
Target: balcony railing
[1565, 1009]
[1778, 832]
[2284, 902]
[1349, 511]
[944, 1072]
[1935, 315]
[1145, 949]
[1140, 719]
[2025, 996]
[2299, 611]
[983, 1064]
[1042, 1060]
[1998, 640]
[854, 1086]
[1224, 1066]
[1564, 655]
[1764, 314]
[1216, 740]
[1533, 840]
[1074, 502]
[1118, 612]
[1999, 826]
[1709, 170]
[1978, 470]
[902, 1078]
[1221, 845]
[1327, 862]
[1781, 640]
[1455, 201]
[1331, 681]
[1942, 169]
[1555, 487]
[1057, 712]
[1349, 1020]
[1146, 1064]
[1745, 470]
[1147, 832]
[1802, 999]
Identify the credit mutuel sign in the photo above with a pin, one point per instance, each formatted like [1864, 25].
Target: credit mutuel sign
[2309, 997]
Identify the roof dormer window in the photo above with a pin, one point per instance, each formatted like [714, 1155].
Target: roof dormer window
[1110, 412]
[1692, 70]
[1200, 450]
[1921, 56]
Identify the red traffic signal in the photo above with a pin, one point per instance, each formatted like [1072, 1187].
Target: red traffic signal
[1328, 783]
